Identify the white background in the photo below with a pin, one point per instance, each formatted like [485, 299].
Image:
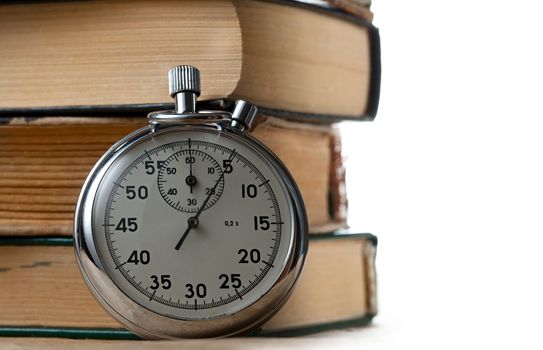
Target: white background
[450, 175]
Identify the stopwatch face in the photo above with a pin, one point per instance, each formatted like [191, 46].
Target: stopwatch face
[193, 223]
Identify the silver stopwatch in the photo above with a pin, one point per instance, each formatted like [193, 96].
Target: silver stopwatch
[190, 227]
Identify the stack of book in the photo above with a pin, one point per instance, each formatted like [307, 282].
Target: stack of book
[77, 76]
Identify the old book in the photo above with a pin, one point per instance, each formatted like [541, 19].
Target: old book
[43, 293]
[44, 161]
[293, 59]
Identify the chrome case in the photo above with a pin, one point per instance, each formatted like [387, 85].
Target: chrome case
[185, 87]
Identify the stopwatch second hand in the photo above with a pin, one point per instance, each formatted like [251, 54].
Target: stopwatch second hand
[193, 220]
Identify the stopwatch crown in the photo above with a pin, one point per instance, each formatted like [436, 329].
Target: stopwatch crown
[184, 79]
[184, 84]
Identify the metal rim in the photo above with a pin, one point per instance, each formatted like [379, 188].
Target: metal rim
[172, 117]
[149, 324]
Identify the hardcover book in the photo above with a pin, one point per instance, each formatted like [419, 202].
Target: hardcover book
[292, 59]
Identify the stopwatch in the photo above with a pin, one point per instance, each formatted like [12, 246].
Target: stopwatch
[189, 227]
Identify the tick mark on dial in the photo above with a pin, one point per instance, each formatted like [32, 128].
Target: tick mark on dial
[239, 295]
[267, 263]
[152, 296]
[265, 182]
[148, 155]
[119, 266]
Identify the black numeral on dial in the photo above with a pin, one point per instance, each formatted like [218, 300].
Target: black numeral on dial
[127, 224]
[209, 191]
[247, 256]
[151, 166]
[249, 191]
[142, 257]
[200, 290]
[163, 281]
[262, 223]
[140, 192]
[227, 165]
[233, 280]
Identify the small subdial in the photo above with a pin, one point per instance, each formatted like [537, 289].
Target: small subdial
[187, 178]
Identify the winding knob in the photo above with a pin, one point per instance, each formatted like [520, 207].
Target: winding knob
[184, 79]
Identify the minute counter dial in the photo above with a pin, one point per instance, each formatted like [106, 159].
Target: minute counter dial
[188, 177]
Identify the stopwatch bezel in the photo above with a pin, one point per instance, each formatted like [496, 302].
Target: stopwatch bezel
[150, 324]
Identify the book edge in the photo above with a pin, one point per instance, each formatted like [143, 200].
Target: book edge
[369, 115]
[122, 334]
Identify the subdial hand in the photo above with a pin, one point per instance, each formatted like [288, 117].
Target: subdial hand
[193, 221]
[191, 179]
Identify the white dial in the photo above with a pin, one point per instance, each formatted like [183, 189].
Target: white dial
[193, 224]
